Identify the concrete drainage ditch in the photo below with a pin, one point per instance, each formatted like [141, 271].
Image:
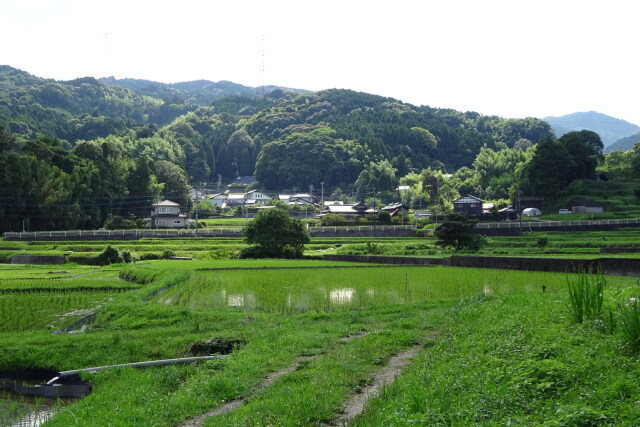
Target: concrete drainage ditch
[36, 391]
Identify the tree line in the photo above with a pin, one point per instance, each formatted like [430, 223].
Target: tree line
[360, 146]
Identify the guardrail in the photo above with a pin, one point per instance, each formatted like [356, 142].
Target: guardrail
[125, 233]
[177, 233]
[348, 228]
[540, 224]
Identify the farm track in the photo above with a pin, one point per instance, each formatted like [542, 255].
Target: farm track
[356, 404]
[270, 379]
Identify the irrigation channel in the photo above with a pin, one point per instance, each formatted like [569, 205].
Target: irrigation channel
[31, 397]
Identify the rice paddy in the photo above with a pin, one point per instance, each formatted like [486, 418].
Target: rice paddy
[321, 331]
[320, 290]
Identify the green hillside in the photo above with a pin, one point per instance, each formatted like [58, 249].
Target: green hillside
[624, 144]
[75, 153]
[620, 198]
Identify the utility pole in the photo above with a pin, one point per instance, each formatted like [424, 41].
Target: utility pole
[321, 195]
[374, 211]
[196, 229]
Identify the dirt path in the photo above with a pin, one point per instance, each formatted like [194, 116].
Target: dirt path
[355, 405]
[234, 404]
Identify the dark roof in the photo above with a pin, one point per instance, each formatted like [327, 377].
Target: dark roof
[395, 207]
[245, 180]
[530, 199]
[586, 203]
[468, 199]
[166, 203]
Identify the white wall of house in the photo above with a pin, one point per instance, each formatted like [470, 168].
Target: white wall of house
[218, 199]
[258, 196]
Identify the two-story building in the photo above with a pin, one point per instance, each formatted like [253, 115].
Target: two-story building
[256, 197]
[167, 214]
[468, 204]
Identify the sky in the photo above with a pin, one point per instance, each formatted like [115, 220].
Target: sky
[511, 58]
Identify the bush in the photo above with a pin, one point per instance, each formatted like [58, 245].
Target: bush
[126, 256]
[384, 216]
[167, 253]
[109, 255]
[542, 242]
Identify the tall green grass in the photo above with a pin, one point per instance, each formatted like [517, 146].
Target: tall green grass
[586, 295]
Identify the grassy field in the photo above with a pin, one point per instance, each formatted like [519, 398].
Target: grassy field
[565, 244]
[492, 347]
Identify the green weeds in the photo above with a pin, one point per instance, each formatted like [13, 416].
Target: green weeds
[630, 325]
[586, 295]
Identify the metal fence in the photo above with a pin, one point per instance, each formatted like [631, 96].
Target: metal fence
[541, 224]
[237, 232]
[348, 228]
[210, 232]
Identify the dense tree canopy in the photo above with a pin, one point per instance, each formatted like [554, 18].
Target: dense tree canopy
[456, 231]
[276, 235]
[113, 149]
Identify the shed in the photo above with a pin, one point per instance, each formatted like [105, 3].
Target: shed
[586, 206]
[522, 203]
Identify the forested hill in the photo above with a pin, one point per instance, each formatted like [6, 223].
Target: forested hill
[199, 92]
[99, 146]
[334, 135]
[72, 110]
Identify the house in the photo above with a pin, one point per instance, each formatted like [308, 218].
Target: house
[421, 214]
[257, 197]
[351, 211]
[235, 199]
[522, 203]
[508, 213]
[198, 195]
[586, 206]
[167, 214]
[468, 204]
[486, 208]
[253, 197]
[219, 199]
[302, 198]
[395, 208]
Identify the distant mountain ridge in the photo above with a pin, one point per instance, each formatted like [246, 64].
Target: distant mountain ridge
[200, 92]
[624, 144]
[609, 128]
